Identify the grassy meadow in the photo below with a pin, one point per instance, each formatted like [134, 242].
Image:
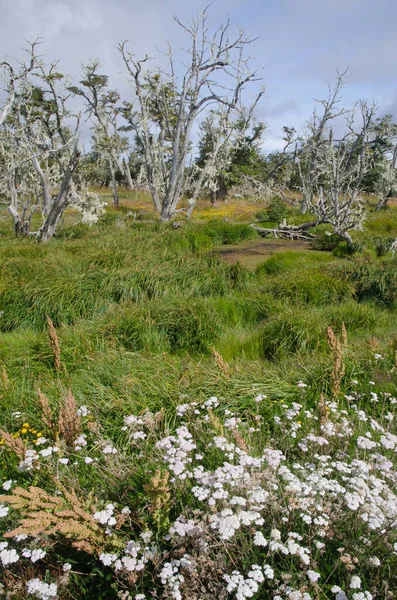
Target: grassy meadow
[146, 318]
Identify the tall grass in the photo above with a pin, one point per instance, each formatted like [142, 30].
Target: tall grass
[139, 307]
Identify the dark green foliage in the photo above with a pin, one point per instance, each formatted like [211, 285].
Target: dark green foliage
[325, 240]
[276, 210]
[373, 279]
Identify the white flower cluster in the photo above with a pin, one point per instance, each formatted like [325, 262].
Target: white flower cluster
[315, 476]
[34, 555]
[83, 411]
[136, 424]
[134, 557]
[41, 590]
[7, 557]
[109, 449]
[80, 442]
[246, 587]
[105, 517]
[176, 450]
[172, 578]
[312, 493]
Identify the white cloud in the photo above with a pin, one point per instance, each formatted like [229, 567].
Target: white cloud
[300, 43]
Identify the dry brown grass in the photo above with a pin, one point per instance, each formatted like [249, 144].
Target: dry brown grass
[158, 492]
[15, 444]
[46, 411]
[235, 209]
[54, 344]
[220, 361]
[338, 346]
[69, 423]
[54, 515]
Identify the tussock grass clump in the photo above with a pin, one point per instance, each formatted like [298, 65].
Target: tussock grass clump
[224, 232]
[373, 279]
[284, 262]
[295, 329]
[193, 326]
[245, 308]
[380, 223]
[312, 287]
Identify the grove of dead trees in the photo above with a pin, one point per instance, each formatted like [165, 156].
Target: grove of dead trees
[147, 140]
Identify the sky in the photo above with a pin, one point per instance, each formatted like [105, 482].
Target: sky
[300, 44]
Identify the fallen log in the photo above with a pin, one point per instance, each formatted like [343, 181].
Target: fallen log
[292, 232]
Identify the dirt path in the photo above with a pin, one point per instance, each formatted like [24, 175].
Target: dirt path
[252, 253]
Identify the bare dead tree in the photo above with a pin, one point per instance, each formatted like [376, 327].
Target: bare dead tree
[101, 104]
[39, 152]
[332, 170]
[166, 111]
[342, 165]
[387, 180]
[15, 77]
[315, 138]
[62, 199]
[228, 126]
[274, 179]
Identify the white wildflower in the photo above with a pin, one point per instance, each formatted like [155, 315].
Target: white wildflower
[259, 539]
[41, 590]
[8, 557]
[109, 449]
[355, 582]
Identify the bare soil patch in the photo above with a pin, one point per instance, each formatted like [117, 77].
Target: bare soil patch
[252, 253]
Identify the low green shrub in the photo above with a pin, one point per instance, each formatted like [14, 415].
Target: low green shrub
[325, 240]
[275, 212]
[343, 249]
